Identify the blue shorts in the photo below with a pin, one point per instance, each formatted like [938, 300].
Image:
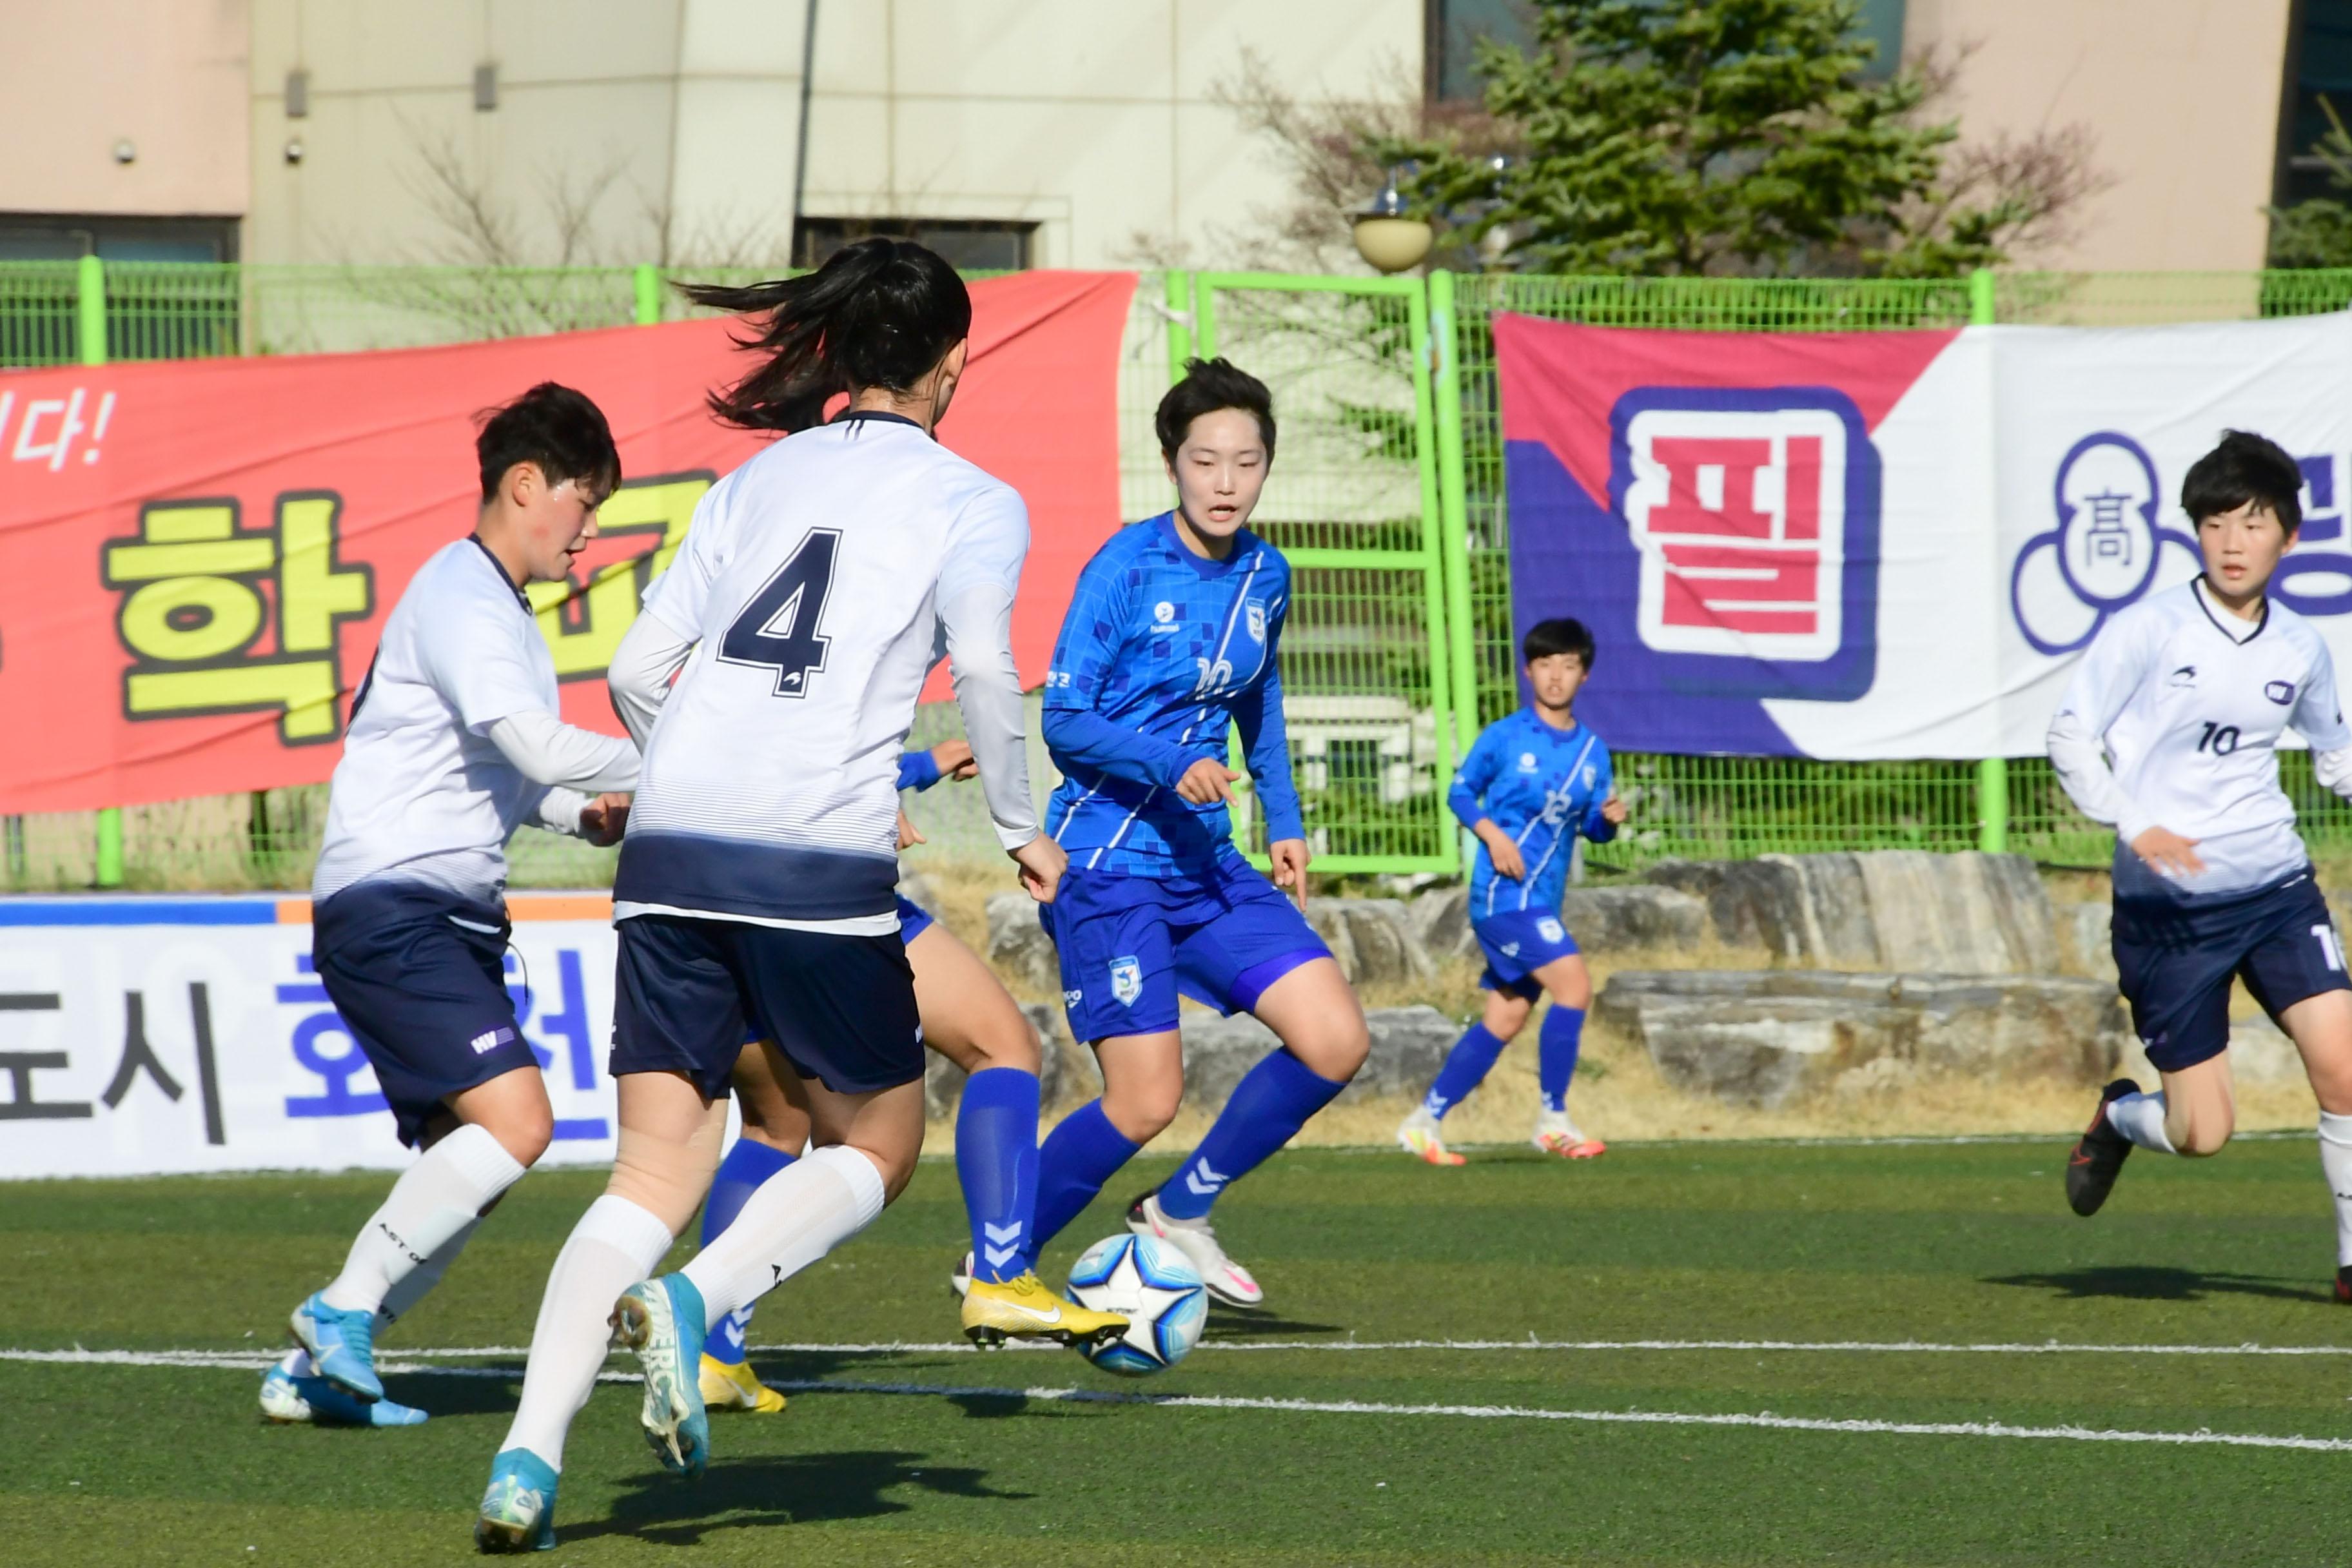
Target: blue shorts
[913, 922]
[2174, 962]
[691, 991]
[1129, 945]
[1516, 944]
[419, 977]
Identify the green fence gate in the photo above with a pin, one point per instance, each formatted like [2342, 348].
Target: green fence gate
[1352, 500]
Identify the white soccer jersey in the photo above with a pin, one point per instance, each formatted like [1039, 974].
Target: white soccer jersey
[422, 793]
[2191, 702]
[814, 581]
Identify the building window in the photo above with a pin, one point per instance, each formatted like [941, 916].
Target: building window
[970, 244]
[1454, 28]
[42, 236]
[2319, 65]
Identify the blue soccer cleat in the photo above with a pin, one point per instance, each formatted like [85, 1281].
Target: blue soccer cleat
[517, 1512]
[662, 1321]
[293, 1401]
[342, 1346]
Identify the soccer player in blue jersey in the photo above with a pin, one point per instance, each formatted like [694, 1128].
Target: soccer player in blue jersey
[1529, 787]
[968, 1017]
[1170, 642]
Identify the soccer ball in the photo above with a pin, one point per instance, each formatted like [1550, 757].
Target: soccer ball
[1155, 1288]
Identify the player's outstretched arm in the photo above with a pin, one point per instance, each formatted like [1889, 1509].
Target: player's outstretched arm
[547, 750]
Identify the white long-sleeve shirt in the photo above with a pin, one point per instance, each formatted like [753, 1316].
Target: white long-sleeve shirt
[814, 591]
[453, 740]
[2190, 702]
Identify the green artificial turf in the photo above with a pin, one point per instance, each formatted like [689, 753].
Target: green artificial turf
[1966, 1244]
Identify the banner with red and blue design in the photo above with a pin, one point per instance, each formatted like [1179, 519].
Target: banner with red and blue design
[1889, 544]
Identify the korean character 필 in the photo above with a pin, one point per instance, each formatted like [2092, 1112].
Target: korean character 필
[196, 612]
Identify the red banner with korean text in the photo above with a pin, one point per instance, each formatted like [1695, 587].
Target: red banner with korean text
[196, 556]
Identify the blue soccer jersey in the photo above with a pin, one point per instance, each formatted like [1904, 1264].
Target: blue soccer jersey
[1543, 787]
[1161, 651]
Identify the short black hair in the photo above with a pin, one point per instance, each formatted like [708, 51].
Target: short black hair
[2244, 467]
[1563, 634]
[1208, 386]
[559, 431]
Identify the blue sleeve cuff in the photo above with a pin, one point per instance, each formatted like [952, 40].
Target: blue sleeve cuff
[917, 771]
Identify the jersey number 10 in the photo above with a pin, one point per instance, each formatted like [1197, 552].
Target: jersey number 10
[778, 629]
[2218, 739]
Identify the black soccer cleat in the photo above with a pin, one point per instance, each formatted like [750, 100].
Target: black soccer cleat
[2097, 1157]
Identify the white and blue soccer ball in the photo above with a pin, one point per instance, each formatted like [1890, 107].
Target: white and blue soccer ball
[1155, 1288]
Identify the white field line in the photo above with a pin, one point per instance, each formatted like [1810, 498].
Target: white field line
[1760, 1419]
[262, 1357]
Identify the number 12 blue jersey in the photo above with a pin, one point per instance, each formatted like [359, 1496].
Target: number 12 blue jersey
[1543, 787]
[1161, 651]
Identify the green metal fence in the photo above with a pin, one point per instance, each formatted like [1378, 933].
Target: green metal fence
[1389, 499]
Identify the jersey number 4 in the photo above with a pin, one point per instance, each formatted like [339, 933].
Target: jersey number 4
[778, 629]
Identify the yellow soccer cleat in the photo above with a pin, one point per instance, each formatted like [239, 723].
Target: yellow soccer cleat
[1024, 1309]
[735, 1387]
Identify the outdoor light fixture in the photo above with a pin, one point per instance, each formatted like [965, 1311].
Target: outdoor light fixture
[294, 149]
[1386, 235]
[126, 152]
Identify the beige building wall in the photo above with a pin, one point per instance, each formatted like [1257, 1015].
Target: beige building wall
[2183, 96]
[167, 77]
[657, 130]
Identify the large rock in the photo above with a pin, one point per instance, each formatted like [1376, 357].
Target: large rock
[1018, 945]
[2086, 926]
[1763, 1038]
[1901, 909]
[1409, 1044]
[1060, 1073]
[1603, 919]
[1372, 939]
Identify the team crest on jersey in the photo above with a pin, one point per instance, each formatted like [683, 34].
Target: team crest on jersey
[2281, 693]
[1591, 775]
[1164, 613]
[1526, 762]
[1256, 616]
[1552, 929]
[1126, 980]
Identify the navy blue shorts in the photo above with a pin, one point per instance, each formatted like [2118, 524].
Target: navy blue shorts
[2174, 964]
[1129, 945]
[692, 990]
[1516, 944]
[418, 974]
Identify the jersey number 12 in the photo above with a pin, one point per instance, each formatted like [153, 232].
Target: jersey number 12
[777, 630]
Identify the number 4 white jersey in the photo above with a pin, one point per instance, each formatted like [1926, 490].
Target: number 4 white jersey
[2191, 702]
[814, 581]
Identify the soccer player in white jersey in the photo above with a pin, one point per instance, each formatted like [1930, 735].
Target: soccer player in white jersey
[2187, 692]
[454, 742]
[757, 883]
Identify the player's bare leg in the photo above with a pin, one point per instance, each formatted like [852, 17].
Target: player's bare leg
[2321, 1027]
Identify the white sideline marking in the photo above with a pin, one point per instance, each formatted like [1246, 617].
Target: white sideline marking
[1760, 1419]
[256, 1360]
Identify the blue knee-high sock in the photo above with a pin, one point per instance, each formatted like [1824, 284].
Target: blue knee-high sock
[1269, 1106]
[1080, 1154]
[1555, 1058]
[996, 1160]
[748, 1163]
[1466, 1067]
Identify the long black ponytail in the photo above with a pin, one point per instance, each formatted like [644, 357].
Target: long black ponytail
[880, 312]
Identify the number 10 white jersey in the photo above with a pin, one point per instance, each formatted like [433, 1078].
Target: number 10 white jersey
[812, 581]
[2191, 702]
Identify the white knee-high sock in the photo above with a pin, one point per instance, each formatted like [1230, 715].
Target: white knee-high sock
[407, 1291]
[793, 1219]
[445, 1191]
[2140, 1118]
[2336, 1160]
[614, 1244]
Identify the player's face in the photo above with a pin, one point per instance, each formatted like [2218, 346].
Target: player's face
[1219, 470]
[1555, 678]
[557, 523]
[2241, 549]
